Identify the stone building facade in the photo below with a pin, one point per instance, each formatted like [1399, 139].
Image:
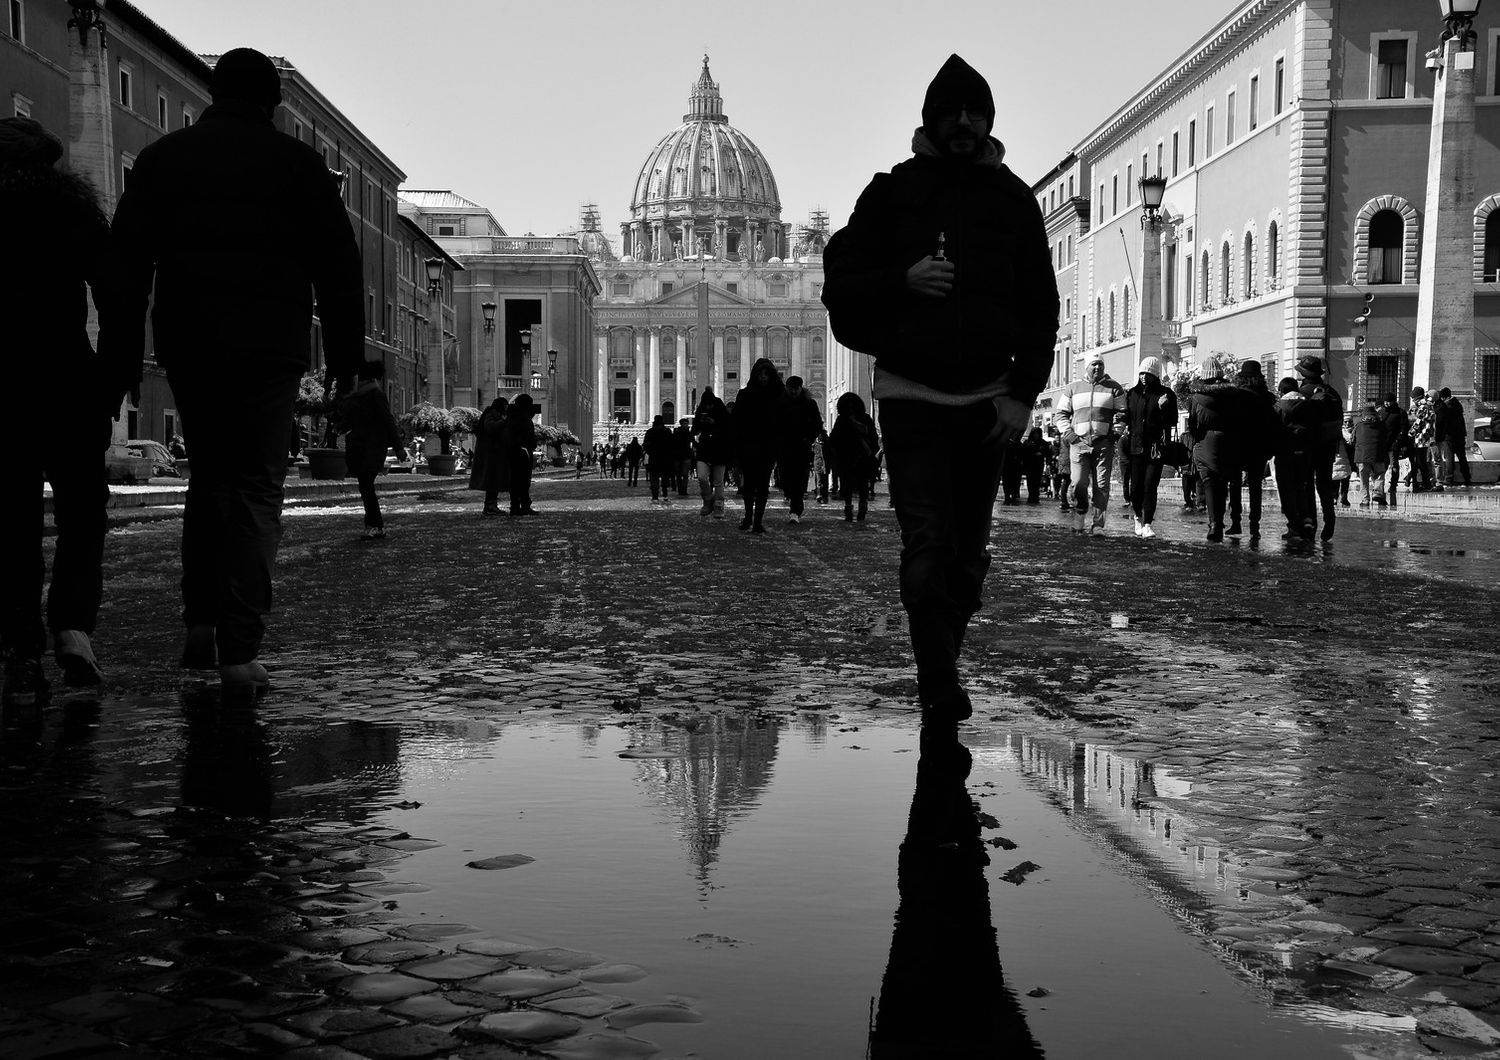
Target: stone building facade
[1294, 138]
[708, 278]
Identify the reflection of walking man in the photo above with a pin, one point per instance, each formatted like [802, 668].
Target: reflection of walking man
[234, 339]
[963, 343]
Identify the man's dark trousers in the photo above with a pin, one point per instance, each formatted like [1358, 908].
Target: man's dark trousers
[794, 471]
[1317, 488]
[235, 427]
[657, 475]
[944, 476]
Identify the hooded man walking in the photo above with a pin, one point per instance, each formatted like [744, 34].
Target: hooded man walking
[235, 338]
[944, 276]
[1090, 417]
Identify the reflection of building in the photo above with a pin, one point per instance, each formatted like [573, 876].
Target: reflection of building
[716, 773]
[1294, 138]
[705, 217]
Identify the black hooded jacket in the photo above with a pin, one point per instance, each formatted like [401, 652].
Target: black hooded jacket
[1002, 313]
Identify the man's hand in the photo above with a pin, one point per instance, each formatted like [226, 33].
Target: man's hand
[1011, 418]
[930, 278]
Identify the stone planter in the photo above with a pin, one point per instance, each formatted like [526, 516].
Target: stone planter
[327, 463]
[439, 464]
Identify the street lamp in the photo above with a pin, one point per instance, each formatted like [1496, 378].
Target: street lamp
[1151, 330]
[86, 16]
[1152, 190]
[552, 378]
[1458, 20]
[435, 367]
[488, 309]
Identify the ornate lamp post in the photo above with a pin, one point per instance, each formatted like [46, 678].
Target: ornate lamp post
[1151, 329]
[1444, 353]
[435, 366]
[488, 309]
[552, 383]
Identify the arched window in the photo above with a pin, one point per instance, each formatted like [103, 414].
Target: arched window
[1111, 316]
[1224, 260]
[1387, 234]
[1204, 289]
[1125, 317]
[1247, 267]
[1492, 247]
[1273, 251]
[1098, 320]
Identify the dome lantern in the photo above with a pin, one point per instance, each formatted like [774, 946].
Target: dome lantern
[704, 101]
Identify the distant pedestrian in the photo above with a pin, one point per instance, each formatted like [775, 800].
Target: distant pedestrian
[1343, 463]
[715, 448]
[1371, 448]
[1150, 422]
[1423, 429]
[1453, 439]
[371, 434]
[943, 276]
[799, 424]
[1090, 417]
[1034, 453]
[1397, 438]
[177, 447]
[754, 430]
[820, 469]
[55, 242]
[682, 455]
[234, 339]
[519, 443]
[1216, 420]
[490, 471]
[1257, 445]
[1326, 408]
[658, 449]
[1299, 426]
[852, 445]
[1059, 465]
[635, 453]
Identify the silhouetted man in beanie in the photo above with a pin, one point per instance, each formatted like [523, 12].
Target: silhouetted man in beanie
[235, 228]
[944, 276]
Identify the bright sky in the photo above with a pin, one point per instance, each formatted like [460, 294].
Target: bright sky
[534, 108]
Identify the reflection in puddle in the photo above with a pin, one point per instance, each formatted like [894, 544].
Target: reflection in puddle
[1428, 550]
[1119, 620]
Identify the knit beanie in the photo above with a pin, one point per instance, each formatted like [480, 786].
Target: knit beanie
[247, 75]
[957, 85]
[1150, 366]
[23, 142]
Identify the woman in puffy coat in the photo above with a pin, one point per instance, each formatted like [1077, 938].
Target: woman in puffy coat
[1216, 420]
[754, 428]
[1150, 420]
[491, 470]
[852, 444]
[715, 444]
[1262, 427]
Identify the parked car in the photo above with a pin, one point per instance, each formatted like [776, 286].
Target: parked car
[1484, 452]
[163, 464]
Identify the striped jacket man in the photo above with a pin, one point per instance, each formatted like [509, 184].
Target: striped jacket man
[1090, 412]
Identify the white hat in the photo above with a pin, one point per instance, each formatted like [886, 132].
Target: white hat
[1151, 366]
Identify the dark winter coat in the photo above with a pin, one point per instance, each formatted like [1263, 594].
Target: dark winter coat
[491, 468]
[854, 441]
[1299, 424]
[798, 424]
[1218, 412]
[712, 430]
[1397, 426]
[1371, 446]
[1004, 284]
[1150, 416]
[634, 452]
[518, 438]
[754, 416]
[56, 241]
[658, 446]
[236, 227]
[682, 443]
[1325, 411]
[1262, 426]
[1450, 422]
[372, 431]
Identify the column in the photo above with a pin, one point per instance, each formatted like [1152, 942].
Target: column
[679, 379]
[1151, 328]
[719, 361]
[795, 339]
[1445, 291]
[751, 350]
[604, 399]
[641, 395]
[653, 367]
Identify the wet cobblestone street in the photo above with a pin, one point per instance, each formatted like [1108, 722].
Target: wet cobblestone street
[1309, 734]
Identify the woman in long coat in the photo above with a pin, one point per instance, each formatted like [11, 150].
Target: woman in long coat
[491, 471]
[519, 442]
[715, 447]
[1216, 421]
[755, 439]
[1150, 419]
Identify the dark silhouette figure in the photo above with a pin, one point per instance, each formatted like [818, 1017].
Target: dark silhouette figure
[754, 430]
[490, 471]
[634, 454]
[56, 239]
[852, 445]
[235, 339]
[799, 424]
[372, 433]
[519, 442]
[944, 993]
[660, 469]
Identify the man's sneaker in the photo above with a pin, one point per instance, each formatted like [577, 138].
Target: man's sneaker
[1146, 530]
[1234, 530]
[75, 655]
[1097, 530]
[1099, 516]
[1078, 521]
[1140, 527]
[794, 518]
[25, 685]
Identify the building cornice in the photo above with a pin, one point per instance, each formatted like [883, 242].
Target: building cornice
[1211, 47]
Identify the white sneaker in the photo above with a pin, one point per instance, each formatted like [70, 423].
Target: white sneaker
[1078, 519]
[794, 518]
[1140, 527]
[1146, 530]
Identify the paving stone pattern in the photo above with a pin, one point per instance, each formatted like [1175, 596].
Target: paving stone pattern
[1335, 711]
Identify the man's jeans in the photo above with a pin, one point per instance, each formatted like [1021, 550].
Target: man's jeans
[231, 526]
[1090, 464]
[1455, 452]
[1373, 473]
[944, 474]
[794, 474]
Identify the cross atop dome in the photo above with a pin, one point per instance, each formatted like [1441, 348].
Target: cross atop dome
[704, 101]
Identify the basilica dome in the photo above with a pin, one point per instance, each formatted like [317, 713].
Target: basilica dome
[705, 168]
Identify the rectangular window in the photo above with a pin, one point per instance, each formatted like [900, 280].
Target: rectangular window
[1254, 102]
[1070, 187]
[732, 288]
[297, 131]
[161, 110]
[446, 230]
[776, 290]
[187, 116]
[1176, 150]
[1160, 169]
[1229, 108]
[1208, 133]
[125, 85]
[20, 106]
[1070, 250]
[168, 423]
[1101, 203]
[1192, 142]
[619, 290]
[1278, 87]
[17, 21]
[127, 163]
[1488, 381]
[1390, 68]
[1114, 202]
[1129, 181]
[667, 288]
[1382, 370]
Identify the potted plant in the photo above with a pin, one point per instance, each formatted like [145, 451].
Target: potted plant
[427, 418]
[554, 438]
[313, 401]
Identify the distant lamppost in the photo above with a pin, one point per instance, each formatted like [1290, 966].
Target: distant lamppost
[526, 350]
[552, 379]
[1151, 331]
[488, 309]
[1443, 353]
[86, 16]
[435, 366]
